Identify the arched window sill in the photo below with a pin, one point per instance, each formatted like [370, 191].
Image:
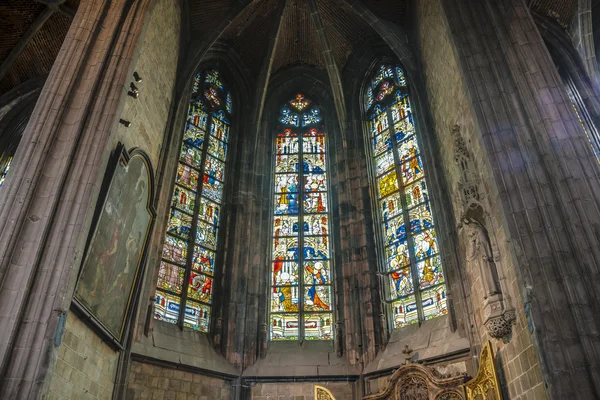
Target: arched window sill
[431, 340]
[187, 347]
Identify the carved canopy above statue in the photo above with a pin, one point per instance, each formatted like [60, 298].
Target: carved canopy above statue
[416, 382]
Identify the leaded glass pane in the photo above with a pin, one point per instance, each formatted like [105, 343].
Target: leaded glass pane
[301, 292]
[412, 262]
[193, 225]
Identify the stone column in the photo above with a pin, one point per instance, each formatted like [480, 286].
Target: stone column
[47, 202]
[546, 193]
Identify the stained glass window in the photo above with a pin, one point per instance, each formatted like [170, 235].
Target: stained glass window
[4, 167]
[185, 279]
[301, 292]
[417, 291]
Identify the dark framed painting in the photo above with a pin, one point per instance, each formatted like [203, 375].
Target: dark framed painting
[116, 248]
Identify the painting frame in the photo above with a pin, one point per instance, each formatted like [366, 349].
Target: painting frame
[114, 259]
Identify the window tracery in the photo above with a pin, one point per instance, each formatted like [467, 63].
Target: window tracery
[417, 290]
[189, 253]
[301, 290]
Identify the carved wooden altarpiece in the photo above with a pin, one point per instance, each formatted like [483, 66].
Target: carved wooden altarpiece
[417, 382]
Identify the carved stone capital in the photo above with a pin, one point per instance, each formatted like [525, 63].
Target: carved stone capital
[500, 327]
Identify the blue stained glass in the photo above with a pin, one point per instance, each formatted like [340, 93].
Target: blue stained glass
[400, 77]
[311, 118]
[197, 201]
[401, 107]
[289, 118]
[212, 78]
[379, 120]
[395, 231]
[228, 102]
[369, 97]
[434, 302]
[401, 283]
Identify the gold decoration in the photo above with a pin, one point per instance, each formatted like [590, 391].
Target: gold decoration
[485, 385]
[322, 393]
[416, 382]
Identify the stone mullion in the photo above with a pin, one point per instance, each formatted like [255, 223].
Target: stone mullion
[300, 235]
[57, 181]
[192, 244]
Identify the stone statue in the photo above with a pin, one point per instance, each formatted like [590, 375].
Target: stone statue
[479, 252]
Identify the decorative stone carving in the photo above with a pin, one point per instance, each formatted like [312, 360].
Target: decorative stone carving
[468, 185]
[416, 382]
[500, 327]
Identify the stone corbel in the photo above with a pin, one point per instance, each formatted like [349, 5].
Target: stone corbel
[499, 317]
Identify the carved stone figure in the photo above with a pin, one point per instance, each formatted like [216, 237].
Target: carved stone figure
[479, 252]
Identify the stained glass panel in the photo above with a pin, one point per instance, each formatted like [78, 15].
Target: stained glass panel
[300, 279]
[180, 224]
[425, 244]
[315, 202]
[382, 143]
[217, 148]
[183, 199]
[387, 184]
[403, 129]
[206, 235]
[391, 206]
[317, 272]
[193, 136]
[318, 326]
[315, 183]
[170, 277]
[175, 250]
[314, 163]
[212, 189]
[412, 170]
[315, 224]
[209, 211]
[397, 255]
[197, 316]
[408, 149]
[416, 193]
[430, 272]
[285, 299]
[204, 260]
[287, 163]
[166, 307]
[287, 142]
[400, 107]
[313, 142]
[195, 208]
[289, 118]
[214, 168]
[395, 230]
[317, 298]
[401, 283]
[284, 225]
[379, 120]
[190, 155]
[434, 302]
[388, 104]
[420, 218]
[286, 203]
[405, 312]
[200, 287]
[220, 130]
[197, 117]
[285, 273]
[285, 249]
[284, 327]
[187, 177]
[316, 247]
[384, 162]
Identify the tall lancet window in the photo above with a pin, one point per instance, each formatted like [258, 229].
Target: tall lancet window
[301, 293]
[410, 248]
[184, 288]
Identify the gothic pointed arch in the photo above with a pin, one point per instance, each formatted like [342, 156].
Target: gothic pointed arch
[409, 250]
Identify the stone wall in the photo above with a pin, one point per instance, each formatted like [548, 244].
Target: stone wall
[147, 381]
[301, 391]
[451, 105]
[156, 64]
[85, 368]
